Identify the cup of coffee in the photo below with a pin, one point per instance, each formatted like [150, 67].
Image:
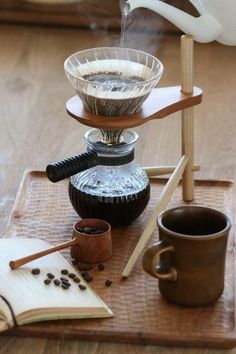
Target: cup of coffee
[189, 259]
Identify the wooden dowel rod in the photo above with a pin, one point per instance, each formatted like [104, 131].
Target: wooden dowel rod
[186, 60]
[166, 194]
[164, 170]
[187, 54]
[188, 149]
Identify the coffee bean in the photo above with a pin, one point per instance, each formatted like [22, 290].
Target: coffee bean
[84, 267]
[57, 282]
[79, 229]
[87, 230]
[90, 230]
[35, 271]
[101, 266]
[64, 271]
[88, 278]
[82, 287]
[98, 231]
[65, 282]
[47, 281]
[81, 267]
[64, 279]
[50, 275]
[108, 282]
[84, 273]
[88, 267]
[65, 286]
[76, 280]
[71, 275]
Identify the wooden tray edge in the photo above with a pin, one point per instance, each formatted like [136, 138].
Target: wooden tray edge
[21, 189]
[210, 342]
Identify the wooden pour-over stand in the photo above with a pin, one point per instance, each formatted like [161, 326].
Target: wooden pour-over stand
[161, 103]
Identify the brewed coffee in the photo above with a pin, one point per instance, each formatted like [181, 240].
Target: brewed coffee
[117, 81]
[112, 94]
[117, 210]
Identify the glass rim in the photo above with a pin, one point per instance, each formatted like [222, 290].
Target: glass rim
[141, 83]
[117, 147]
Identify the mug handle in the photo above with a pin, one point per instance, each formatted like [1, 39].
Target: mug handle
[150, 261]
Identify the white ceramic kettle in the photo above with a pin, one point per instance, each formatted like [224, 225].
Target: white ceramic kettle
[217, 20]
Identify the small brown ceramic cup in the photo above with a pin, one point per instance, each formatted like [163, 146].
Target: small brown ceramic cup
[92, 248]
[189, 259]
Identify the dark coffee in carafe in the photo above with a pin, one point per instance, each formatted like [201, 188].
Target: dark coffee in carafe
[117, 210]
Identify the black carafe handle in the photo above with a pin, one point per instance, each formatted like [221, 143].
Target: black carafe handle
[62, 169]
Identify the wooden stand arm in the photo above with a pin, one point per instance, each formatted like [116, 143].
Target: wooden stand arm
[164, 170]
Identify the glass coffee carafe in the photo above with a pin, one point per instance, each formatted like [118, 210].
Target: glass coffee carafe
[109, 184]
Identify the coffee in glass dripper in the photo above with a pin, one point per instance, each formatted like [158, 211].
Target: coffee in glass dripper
[113, 81]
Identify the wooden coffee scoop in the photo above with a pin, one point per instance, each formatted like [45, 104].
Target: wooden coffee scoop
[85, 248]
[21, 261]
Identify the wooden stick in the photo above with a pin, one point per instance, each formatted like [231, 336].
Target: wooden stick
[164, 199]
[21, 261]
[187, 52]
[163, 170]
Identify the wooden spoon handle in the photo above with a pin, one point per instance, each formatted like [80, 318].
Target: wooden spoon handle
[19, 262]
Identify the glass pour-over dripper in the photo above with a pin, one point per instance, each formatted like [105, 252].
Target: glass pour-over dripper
[112, 81]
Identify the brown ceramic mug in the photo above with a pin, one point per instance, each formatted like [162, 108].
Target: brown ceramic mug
[190, 255]
[95, 247]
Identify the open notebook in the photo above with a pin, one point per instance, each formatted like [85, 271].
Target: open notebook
[25, 297]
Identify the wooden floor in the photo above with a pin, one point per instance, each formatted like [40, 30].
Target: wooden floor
[35, 130]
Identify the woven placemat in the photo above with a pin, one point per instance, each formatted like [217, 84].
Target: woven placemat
[141, 315]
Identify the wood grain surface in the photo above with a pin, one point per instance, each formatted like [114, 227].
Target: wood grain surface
[35, 130]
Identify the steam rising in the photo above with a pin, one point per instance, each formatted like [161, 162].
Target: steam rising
[143, 29]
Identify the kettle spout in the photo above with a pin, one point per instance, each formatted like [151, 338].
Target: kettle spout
[203, 29]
